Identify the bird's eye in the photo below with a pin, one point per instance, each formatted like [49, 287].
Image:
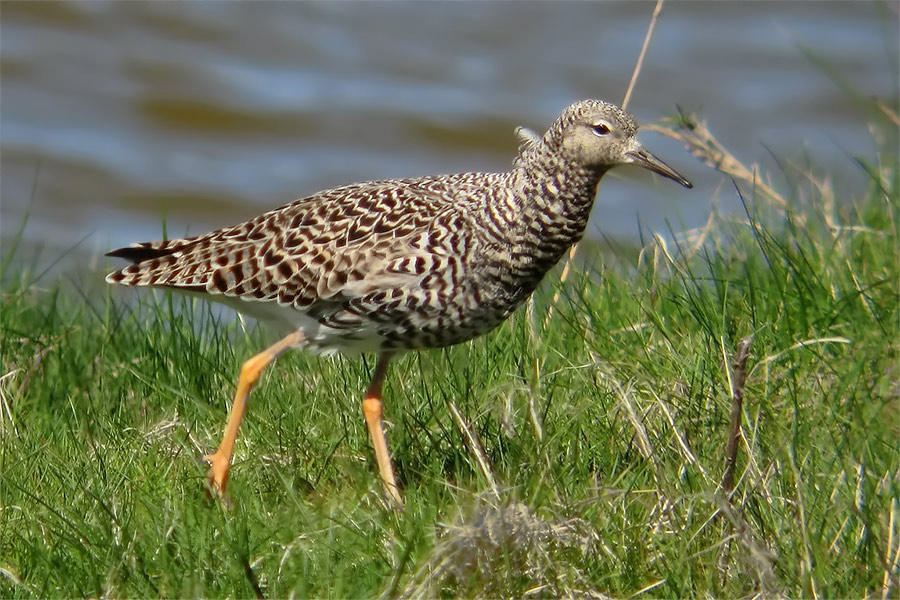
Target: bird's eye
[600, 128]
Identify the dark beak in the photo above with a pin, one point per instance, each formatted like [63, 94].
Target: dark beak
[644, 159]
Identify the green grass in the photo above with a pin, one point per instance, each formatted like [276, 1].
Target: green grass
[606, 431]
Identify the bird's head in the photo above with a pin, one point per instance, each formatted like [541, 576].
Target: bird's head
[598, 135]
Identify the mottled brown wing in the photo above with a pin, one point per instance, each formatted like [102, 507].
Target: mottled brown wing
[343, 243]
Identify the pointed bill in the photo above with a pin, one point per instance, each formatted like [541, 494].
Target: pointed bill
[643, 158]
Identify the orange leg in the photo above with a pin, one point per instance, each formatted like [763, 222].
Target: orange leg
[372, 410]
[220, 461]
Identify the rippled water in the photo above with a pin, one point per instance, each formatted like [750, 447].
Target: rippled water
[203, 114]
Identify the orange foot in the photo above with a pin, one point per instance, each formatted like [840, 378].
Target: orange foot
[217, 476]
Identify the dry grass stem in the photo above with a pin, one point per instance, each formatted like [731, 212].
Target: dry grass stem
[634, 75]
[474, 446]
[700, 142]
[640, 60]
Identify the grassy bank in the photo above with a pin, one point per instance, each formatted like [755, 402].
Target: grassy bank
[606, 430]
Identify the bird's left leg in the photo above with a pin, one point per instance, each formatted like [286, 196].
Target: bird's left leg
[220, 461]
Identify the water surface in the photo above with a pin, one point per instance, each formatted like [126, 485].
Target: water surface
[205, 114]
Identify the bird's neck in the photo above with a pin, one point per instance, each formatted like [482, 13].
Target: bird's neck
[535, 214]
[557, 201]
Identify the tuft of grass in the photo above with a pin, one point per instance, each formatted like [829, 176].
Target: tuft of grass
[584, 456]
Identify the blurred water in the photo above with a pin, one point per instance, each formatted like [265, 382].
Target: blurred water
[204, 114]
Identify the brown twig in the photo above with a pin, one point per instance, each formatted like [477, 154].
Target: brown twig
[738, 379]
[38, 364]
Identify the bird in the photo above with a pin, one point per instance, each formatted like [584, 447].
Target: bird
[399, 264]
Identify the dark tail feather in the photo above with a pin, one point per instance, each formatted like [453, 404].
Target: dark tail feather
[137, 253]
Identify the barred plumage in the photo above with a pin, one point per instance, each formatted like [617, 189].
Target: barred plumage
[408, 263]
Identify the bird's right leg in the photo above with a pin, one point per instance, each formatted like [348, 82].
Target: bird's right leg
[372, 411]
[220, 460]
